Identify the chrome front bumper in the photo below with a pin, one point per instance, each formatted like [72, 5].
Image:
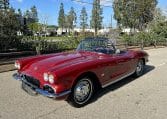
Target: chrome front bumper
[28, 87]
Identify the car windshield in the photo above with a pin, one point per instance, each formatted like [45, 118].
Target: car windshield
[96, 45]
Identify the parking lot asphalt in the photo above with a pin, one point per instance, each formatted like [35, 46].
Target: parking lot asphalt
[141, 98]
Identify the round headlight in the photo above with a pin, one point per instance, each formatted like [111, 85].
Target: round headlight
[17, 65]
[45, 77]
[51, 79]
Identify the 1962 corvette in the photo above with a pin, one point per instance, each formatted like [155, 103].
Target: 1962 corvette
[75, 76]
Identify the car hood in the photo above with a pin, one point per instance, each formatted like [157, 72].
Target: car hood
[60, 61]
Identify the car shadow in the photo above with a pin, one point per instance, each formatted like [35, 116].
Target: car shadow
[100, 93]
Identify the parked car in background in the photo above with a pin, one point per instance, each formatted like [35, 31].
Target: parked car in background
[75, 76]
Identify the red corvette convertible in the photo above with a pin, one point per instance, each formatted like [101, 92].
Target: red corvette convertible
[75, 76]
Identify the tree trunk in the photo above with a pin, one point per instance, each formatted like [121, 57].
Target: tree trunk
[142, 44]
[95, 34]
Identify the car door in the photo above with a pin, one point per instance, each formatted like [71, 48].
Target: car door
[121, 67]
[117, 65]
[123, 64]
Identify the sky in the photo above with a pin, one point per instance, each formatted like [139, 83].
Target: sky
[49, 9]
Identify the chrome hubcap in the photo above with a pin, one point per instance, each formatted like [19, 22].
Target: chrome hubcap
[83, 90]
[139, 68]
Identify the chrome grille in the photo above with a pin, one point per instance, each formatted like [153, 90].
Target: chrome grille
[31, 80]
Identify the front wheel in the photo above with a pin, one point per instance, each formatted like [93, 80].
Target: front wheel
[81, 92]
[139, 68]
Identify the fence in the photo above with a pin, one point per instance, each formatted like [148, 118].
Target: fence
[141, 45]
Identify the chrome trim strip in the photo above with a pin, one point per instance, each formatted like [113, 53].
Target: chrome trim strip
[50, 95]
[17, 76]
[112, 82]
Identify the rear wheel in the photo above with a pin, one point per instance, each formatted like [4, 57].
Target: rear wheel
[81, 92]
[139, 68]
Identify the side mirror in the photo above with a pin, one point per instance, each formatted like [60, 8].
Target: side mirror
[117, 51]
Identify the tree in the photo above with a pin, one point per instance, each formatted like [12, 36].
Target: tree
[83, 19]
[20, 17]
[8, 30]
[36, 28]
[31, 15]
[158, 18]
[158, 26]
[72, 18]
[20, 20]
[67, 23]
[4, 4]
[44, 21]
[96, 18]
[27, 20]
[27, 14]
[34, 14]
[135, 14]
[61, 18]
[20, 12]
